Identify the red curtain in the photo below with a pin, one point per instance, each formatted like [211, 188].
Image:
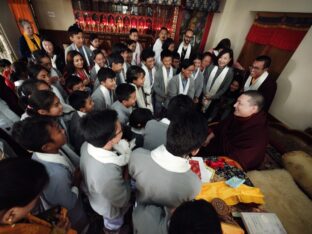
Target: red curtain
[276, 35]
[21, 11]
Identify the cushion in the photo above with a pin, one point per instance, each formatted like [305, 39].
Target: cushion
[283, 197]
[299, 165]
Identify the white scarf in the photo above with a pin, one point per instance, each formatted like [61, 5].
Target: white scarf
[157, 49]
[85, 54]
[123, 73]
[166, 77]
[196, 74]
[53, 61]
[257, 84]
[136, 60]
[56, 158]
[211, 89]
[165, 121]
[140, 97]
[97, 68]
[81, 114]
[147, 83]
[106, 95]
[187, 86]
[188, 50]
[168, 161]
[105, 156]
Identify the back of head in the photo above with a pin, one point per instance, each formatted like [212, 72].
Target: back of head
[167, 43]
[40, 99]
[96, 52]
[93, 36]
[147, 53]
[176, 55]
[98, 127]
[106, 73]
[21, 181]
[4, 63]
[186, 63]
[139, 117]
[266, 59]
[77, 99]
[40, 54]
[256, 98]
[32, 133]
[119, 48]
[115, 58]
[225, 43]
[186, 134]
[123, 91]
[133, 73]
[195, 217]
[178, 106]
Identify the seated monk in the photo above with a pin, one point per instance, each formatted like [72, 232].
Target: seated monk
[242, 136]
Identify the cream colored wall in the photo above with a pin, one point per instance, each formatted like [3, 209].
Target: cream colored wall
[54, 14]
[293, 101]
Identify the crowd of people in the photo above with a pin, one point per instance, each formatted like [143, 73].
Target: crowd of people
[112, 134]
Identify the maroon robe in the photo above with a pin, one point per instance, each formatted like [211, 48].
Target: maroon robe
[242, 139]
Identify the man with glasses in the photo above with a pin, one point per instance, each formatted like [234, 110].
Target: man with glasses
[185, 48]
[260, 80]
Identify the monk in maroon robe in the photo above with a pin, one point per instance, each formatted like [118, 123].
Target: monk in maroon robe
[243, 136]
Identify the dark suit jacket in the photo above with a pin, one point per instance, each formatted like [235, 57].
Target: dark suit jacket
[23, 47]
[268, 90]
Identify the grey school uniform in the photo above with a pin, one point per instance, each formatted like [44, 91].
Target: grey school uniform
[59, 191]
[158, 186]
[123, 112]
[99, 99]
[159, 86]
[107, 191]
[173, 87]
[198, 82]
[155, 134]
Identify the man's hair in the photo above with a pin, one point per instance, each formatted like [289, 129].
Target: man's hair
[186, 63]
[133, 30]
[105, 73]
[256, 98]
[78, 99]
[119, 48]
[21, 181]
[133, 73]
[186, 133]
[123, 91]
[71, 81]
[207, 53]
[197, 56]
[147, 53]
[34, 70]
[33, 132]
[5, 63]
[130, 42]
[163, 28]
[40, 54]
[139, 117]
[167, 43]
[115, 58]
[165, 54]
[74, 30]
[196, 217]
[99, 127]
[189, 30]
[178, 106]
[266, 59]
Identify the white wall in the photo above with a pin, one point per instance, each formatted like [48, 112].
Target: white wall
[293, 101]
[54, 14]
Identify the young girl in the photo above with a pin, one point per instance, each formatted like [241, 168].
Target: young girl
[218, 79]
[38, 72]
[45, 138]
[77, 66]
[19, 197]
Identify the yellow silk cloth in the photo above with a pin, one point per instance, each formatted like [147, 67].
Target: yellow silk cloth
[231, 229]
[231, 196]
[32, 46]
[34, 225]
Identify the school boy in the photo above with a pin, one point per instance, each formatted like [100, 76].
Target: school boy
[163, 176]
[74, 83]
[103, 96]
[108, 189]
[77, 39]
[122, 49]
[126, 98]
